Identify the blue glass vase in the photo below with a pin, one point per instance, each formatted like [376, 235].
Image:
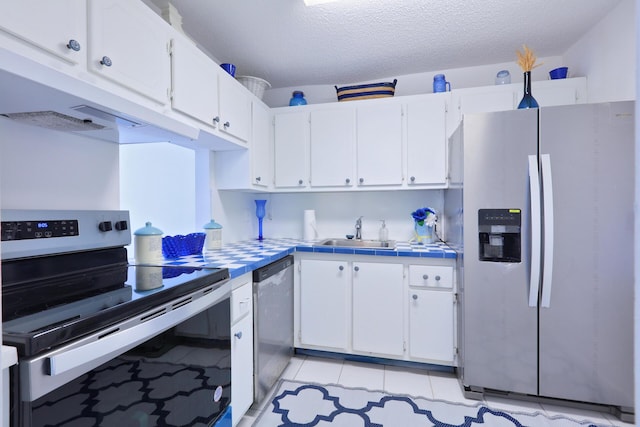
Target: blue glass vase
[528, 101]
[260, 213]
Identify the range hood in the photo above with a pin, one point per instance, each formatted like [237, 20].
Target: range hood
[32, 103]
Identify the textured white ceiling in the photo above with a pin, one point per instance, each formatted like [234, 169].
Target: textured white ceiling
[290, 44]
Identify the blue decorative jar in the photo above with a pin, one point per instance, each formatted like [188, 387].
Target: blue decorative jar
[297, 99]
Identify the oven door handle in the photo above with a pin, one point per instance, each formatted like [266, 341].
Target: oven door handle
[118, 342]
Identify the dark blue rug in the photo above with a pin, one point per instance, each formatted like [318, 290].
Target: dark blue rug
[296, 404]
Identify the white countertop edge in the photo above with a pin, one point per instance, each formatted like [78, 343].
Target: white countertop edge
[9, 356]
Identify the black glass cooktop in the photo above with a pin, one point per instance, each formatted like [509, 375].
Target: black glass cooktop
[46, 308]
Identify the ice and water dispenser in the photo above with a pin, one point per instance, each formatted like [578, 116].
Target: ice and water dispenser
[499, 235]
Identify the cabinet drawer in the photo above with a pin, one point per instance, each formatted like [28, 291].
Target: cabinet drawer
[241, 302]
[431, 276]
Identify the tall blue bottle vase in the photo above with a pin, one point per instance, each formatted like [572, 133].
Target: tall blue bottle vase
[260, 213]
[528, 101]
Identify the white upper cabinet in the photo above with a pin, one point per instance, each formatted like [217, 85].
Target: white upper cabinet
[333, 142]
[129, 45]
[426, 141]
[379, 144]
[195, 82]
[235, 107]
[57, 27]
[290, 148]
[549, 93]
[261, 163]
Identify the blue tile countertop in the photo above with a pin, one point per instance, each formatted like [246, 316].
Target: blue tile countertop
[243, 257]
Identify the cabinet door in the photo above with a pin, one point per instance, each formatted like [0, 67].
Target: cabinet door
[333, 142]
[550, 93]
[134, 40]
[324, 310]
[431, 325]
[261, 164]
[426, 141]
[195, 83]
[291, 139]
[241, 367]
[377, 308]
[49, 25]
[379, 144]
[235, 107]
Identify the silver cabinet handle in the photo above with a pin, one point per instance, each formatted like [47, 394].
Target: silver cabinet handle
[73, 45]
[356, 268]
[361, 180]
[300, 181]
[216, 119]
[413, 178]
[238, 335]
[227, 125]
[425, 276]
[258, 179]
[347, 180]
[414, 296]
[106, 61]
[341, 268]
[437, 278]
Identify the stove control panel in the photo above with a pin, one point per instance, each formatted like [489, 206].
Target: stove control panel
[21, 230]
[28, 233]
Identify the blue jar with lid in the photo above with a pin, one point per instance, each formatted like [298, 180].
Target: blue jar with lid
[297, 99]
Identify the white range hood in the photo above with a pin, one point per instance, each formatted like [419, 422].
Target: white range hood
[112, 118]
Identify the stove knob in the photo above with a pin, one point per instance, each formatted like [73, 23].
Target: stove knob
[105, 226]
[121, 225]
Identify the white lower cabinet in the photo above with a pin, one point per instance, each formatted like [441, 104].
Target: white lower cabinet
[377, 308]
[324, 296]
[431, 329]
[241, 347]
[386, 307]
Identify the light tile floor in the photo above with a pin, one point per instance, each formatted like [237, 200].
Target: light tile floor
[415, 382]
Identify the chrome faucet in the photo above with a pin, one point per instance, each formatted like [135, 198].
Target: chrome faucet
[359, 228]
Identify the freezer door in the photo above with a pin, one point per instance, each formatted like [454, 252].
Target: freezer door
[586, 333]
[499, 327]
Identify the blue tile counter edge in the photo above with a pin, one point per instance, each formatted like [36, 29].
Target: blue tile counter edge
[246, 256]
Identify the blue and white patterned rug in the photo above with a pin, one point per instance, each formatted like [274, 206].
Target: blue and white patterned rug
[296, 404]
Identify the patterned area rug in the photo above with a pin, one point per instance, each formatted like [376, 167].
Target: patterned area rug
[308, 405]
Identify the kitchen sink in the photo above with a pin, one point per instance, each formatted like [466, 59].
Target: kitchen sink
[354, 243]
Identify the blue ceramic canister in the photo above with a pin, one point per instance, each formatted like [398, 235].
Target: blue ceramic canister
[297, 99]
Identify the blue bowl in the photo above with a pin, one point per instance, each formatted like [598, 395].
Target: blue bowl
[176, 246]
[229, 68]
[558, 73]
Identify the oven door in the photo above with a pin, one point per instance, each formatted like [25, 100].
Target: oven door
[169, 366]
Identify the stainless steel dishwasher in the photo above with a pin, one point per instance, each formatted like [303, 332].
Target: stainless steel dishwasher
[273, 323]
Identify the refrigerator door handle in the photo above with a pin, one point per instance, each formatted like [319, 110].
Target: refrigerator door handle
[547, 191]
[536, 230]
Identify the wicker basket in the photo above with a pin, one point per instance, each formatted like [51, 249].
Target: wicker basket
[255, 84]
[366, 91]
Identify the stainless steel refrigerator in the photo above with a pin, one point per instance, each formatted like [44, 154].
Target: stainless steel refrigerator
[547, 252]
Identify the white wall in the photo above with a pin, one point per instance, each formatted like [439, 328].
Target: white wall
[607, 55]
[413, 84]
[45, 169]
[158, 184]
[336, 213]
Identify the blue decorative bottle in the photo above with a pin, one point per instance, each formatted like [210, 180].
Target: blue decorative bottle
[528, 101]
[297, 99]
[260, 213]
